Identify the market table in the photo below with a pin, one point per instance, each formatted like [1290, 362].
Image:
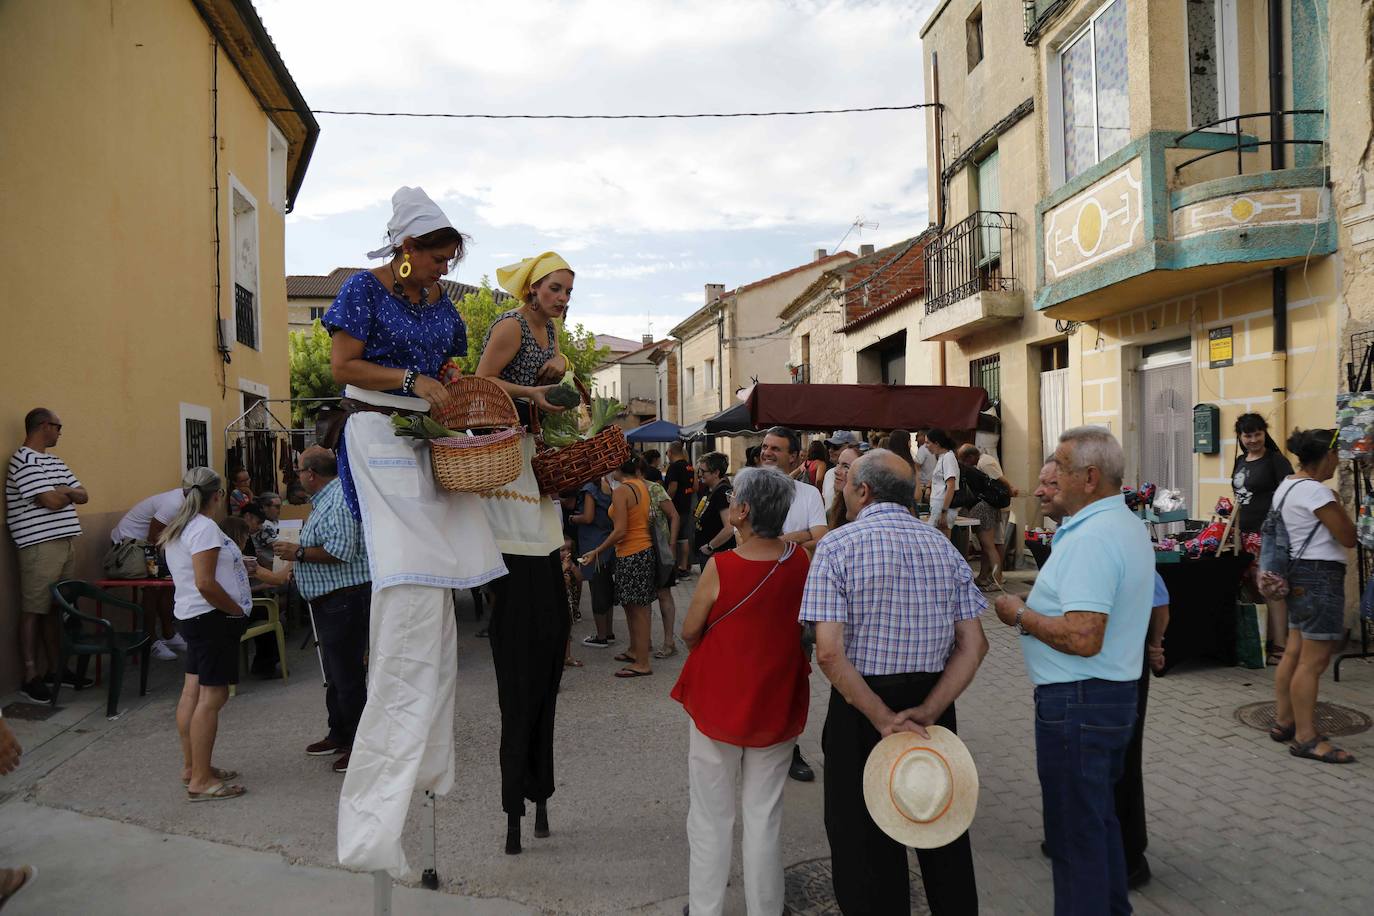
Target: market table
[135, 587]
[1202, 608]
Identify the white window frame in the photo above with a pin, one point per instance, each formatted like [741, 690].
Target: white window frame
[236, 187]
[257, 389]
[1056, 87]
[276, 183]
[1228, 65]
[193, 412]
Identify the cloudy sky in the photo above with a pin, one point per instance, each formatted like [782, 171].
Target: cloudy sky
[646, 211]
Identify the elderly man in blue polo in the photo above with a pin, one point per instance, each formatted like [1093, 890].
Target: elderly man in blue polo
[1083, 637]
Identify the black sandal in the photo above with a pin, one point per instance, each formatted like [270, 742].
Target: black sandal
[1273, 654]
[1283, 733]
[1308, 749]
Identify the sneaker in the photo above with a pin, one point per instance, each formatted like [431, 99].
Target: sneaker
[341, 765]
[35, 691]
[595, 642]
[176, 642]
[323, 748]
[69, 679]
[163, 652]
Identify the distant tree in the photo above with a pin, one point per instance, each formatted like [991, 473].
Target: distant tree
[310, 373]
[480, 309]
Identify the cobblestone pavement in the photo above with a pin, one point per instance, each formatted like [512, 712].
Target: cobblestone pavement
[1236, 824]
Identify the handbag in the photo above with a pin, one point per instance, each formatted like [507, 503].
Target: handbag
[658, 526]
[126, 560]
[1276, 551]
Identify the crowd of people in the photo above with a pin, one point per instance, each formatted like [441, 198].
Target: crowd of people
[843, 548]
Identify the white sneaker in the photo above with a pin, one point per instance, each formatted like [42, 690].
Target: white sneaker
[176, 642]
[161, 652]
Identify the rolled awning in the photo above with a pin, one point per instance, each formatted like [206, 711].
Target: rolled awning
[830, 407]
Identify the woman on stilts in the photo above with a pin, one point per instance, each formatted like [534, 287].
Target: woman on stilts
[394, 332]
[529, 618]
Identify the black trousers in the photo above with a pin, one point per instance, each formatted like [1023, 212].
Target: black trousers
[869, 867]
[342, 621]
[1130, 788]
[528, 635]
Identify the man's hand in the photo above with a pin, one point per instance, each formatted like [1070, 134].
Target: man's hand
[1006, 607]
[1156, 657]
[920, 718]
[284, 550]
[888, 722]
[9, 749]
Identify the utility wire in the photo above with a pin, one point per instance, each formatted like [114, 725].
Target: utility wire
[606, 117]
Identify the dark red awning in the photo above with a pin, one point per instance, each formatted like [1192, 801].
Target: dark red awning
[831, 407]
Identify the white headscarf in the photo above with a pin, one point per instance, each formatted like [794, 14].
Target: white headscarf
[412, 214]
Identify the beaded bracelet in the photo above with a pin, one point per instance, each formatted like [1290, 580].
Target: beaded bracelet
[408, 386]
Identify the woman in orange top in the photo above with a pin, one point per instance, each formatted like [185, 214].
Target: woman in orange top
[636, 565]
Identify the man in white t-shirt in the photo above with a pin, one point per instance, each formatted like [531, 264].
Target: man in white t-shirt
[144, 522]
[837, 443]
[804, 525]
[925, 466]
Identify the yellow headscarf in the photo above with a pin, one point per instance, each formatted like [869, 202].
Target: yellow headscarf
[517, 279]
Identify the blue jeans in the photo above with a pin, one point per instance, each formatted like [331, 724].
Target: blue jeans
[1082, 729]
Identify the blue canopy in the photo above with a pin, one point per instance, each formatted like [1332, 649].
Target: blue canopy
[657, 431]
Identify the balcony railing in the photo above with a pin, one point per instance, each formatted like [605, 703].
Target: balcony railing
[975, 255]
[1246, 144]
[801, 375]
[245, 317]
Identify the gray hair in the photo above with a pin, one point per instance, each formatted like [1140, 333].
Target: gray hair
[1095, 446]
[768, 493]
[321, 461]
[268, 497]
[888, 485]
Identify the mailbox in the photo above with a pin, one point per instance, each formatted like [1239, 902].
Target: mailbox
[1206, 429]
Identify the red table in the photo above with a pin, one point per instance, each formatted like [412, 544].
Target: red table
[135, 586]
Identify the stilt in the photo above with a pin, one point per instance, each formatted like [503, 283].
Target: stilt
[315, 635]
[429, 877]
[381, 893]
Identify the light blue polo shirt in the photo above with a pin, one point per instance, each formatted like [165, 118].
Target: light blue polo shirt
[1103, 562]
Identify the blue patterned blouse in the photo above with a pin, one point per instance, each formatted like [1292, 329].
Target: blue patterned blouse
[396, 334]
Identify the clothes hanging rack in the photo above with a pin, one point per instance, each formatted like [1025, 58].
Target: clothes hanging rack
[1360, 377]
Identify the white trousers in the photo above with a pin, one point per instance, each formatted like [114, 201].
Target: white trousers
[713, 768]
[405, 737]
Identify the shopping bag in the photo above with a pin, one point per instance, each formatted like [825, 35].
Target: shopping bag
[1249, 636]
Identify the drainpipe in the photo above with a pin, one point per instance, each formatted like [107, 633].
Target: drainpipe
[939, 142]
[1279, 295]
[720, 354]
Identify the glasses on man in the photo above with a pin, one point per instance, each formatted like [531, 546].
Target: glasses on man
[56, 426]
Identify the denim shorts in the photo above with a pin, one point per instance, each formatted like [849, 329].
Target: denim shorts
[1316, 599]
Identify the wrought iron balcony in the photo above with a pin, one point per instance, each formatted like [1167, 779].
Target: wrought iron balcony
[801, 375]
[973, 256]
[1245, 144]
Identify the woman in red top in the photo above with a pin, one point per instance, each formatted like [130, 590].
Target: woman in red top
[745, 685]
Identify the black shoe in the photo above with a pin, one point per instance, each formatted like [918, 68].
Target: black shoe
[482, 634]
[800, 770]
[1044, 849]
[35, 691]
[1138, 876]
[69, 679]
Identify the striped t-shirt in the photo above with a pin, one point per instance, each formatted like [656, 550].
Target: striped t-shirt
[32, 473]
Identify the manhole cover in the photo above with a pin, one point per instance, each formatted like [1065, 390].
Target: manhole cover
[1331, 719]
[810, 891]
[31, 712]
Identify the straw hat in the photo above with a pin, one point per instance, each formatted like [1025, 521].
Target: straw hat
[922, 792]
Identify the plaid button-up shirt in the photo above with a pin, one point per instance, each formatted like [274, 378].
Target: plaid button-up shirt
[897, 584]
[332, 526]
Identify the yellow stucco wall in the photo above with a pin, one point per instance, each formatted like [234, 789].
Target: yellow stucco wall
[1108, 352]
[107, 111]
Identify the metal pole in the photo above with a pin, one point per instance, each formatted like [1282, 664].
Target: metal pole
[381, 893]
[324, 679]
[429, 877]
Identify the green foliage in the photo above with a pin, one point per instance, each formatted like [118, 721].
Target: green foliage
[480, 309]
[310, 373]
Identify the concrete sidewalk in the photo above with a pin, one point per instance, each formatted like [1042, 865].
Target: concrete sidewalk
[1237, 824]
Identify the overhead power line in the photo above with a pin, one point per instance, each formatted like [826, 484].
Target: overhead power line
[608, 117]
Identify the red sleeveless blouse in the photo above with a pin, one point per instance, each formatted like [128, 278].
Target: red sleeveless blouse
[746, 682]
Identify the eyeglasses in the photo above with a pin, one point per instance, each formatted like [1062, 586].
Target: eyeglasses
[57, 426]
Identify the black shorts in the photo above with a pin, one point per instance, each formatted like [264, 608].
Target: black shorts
[212, 647]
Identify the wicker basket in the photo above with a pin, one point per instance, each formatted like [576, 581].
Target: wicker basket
[472, 464]
[569, 467]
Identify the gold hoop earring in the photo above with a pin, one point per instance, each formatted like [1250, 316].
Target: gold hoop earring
[404, 269]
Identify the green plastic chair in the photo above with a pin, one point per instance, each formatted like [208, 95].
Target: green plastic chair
[86, 634]
[258, 628]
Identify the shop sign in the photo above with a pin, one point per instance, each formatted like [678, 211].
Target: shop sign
[1220, 346]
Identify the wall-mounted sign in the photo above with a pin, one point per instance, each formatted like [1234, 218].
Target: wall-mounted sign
[1220, 346]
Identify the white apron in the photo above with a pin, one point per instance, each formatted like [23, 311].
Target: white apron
[524, 522]
[422, 541]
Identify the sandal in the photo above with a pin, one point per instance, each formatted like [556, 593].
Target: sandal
[24, 875]
[1308, 749]
[630, 672]
[1274, 654]
[217, 792]
[666, 653]
[221, 775]
[571, 662]
[623, 657]
[1283, 733]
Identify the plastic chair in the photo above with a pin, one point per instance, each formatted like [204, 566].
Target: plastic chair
[85, 635]
[272, 624]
